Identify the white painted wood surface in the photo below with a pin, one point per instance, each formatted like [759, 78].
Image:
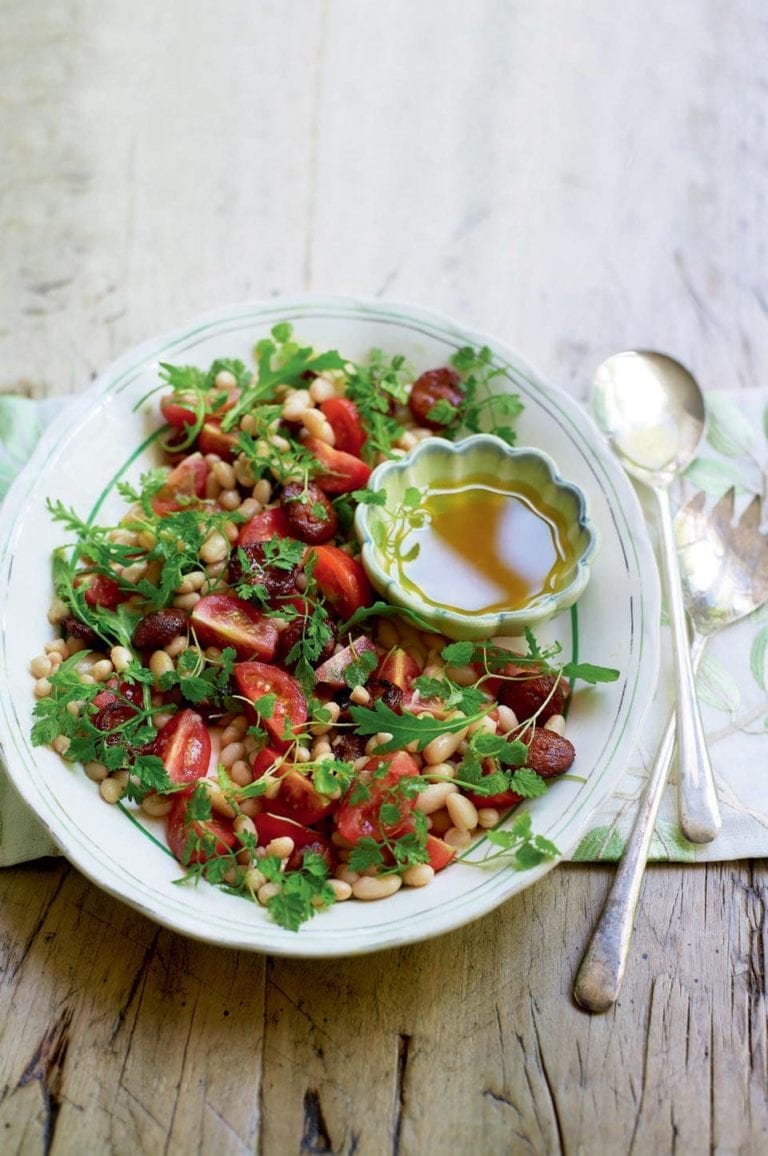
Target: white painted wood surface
[574, 177]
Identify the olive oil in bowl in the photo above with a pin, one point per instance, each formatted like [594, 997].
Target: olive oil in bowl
[477, 538]
[480, 547]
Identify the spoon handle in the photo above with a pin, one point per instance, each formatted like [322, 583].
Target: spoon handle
[699, 812]
[601, 971]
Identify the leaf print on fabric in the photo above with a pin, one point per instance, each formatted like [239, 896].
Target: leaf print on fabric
[715, 477]
[669, 843]
[600, 843]
[728, 431]
[20, 430]
[716, 685]
[758, 658]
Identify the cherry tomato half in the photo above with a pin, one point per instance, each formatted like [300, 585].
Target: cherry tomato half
[184, 745]
[197, 840]
[103, 591]
[381, 774]
[224, 620]
[344, 473]
[184, 483]
[342, 580]
[216, 401]
[265, 526]
[298, 800]
[289, 712]
[344, 419]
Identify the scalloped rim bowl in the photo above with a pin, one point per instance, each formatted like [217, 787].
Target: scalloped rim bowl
[436, 458]
[614, 623]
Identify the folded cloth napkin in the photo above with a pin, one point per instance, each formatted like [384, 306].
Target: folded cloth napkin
[732, 682]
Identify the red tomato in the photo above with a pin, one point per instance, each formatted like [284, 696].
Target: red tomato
[185, 482]
[269, 827]
[331, 672]
[198, 840]
[184, 745]
[213, 440]
[224, 620]
[440, 854]
[342, 580]
[116, 691]
[265, 526]
[344, 419]
[400, 669]
[298, 800]
[357, 820]
[176, 413]
[263, 760]
[256, 679]
[344, 471]
[103, 591]
[502, 801]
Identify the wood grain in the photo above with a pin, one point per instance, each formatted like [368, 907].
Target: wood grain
[575, 178]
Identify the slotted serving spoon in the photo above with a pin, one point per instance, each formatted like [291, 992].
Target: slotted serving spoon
[724, 571]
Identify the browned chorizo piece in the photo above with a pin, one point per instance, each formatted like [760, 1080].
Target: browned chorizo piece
[248, 565]
[549, 754]
[433, 386]
[157, 629]
[527, 695]
[309, 513]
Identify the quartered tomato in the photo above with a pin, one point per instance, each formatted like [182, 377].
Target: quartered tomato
[216, 401]
[103, 591]
[213, 440]
[331, 672]
[381, 774]
[116, 690]
[265, 526]
[400, 669]
[225, 620]
[342, 472]
[439, 852]
[298, 800]
[196, 840]
[289, 712]
[184, 483]
[344, 419]
[184, 745]
[342, 580]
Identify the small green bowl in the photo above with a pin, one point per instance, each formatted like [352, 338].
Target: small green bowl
[437, 460]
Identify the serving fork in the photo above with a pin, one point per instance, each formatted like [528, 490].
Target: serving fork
[724, 571]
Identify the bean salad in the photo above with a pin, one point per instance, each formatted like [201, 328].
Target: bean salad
[224, 669]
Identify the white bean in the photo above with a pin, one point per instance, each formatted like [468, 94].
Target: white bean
[215, 548]
[433, 798]
[457, 839]
[463, 812]
[41, 666]
[441, 748]
[120, 657]
[370, 887]
[283, 847]
[419, 875]
[160, 663]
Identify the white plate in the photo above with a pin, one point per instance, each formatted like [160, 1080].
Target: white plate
[617, 626]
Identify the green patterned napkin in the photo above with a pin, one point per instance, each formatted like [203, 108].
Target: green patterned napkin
[732, 682]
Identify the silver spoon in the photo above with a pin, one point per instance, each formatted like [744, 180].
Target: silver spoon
[652, 411]
[725, 577]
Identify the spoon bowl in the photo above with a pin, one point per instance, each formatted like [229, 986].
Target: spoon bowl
[652, 412]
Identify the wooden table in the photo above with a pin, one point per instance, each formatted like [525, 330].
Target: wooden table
[576, 178]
